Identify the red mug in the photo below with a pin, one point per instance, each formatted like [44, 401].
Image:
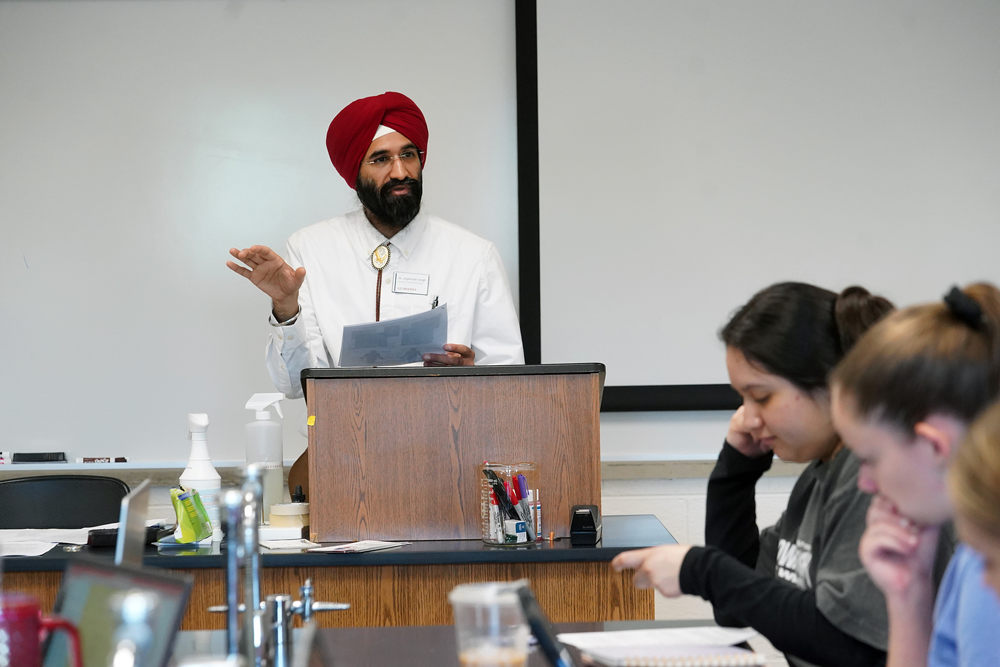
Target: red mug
[22, 628]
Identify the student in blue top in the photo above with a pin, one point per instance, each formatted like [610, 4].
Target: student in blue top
[974, 486]
[903, 400]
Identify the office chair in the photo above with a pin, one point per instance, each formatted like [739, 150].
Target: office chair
[60, 501]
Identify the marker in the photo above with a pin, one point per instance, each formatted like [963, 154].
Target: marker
[495, 528]
[506, 508]
[538, 515]
[524, 509]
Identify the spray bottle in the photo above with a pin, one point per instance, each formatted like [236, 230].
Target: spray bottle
[200, 474]
[264, 448]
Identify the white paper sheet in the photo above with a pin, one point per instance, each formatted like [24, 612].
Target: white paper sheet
[403, 340]
[50, 535]
[299, 544]
[696, 636]
[359, 547]
[24, 548]
[10, 538]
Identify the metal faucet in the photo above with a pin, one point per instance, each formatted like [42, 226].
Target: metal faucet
[264, 639]
[252, 637]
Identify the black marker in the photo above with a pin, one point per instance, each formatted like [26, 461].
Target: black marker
[506, 506]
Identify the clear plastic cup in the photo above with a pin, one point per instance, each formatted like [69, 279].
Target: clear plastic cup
[490, 629]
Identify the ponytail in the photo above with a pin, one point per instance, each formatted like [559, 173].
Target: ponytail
[987, 297]
[937, 357]
[856, 311]
[799, 331]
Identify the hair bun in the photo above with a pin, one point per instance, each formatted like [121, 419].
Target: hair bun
[964, 307]
[855, 311]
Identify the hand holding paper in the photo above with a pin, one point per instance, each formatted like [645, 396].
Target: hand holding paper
[403, 340]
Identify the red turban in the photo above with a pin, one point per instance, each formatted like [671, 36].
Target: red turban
[352, 131]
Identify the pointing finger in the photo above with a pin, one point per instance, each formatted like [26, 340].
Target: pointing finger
[628, 560]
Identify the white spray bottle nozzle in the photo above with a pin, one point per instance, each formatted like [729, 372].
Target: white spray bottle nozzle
[259, 403]
[198, 426]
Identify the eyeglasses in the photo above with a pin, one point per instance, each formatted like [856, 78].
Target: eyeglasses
[409, 158]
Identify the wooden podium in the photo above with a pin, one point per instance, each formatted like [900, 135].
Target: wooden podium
[394, 453]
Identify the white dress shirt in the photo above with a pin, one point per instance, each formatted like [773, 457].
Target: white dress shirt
[464, 271]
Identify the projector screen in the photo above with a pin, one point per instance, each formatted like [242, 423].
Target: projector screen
[692, 153]
[141, 140]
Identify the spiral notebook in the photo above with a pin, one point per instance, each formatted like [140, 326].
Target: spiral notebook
[673, 656]
[666, 647]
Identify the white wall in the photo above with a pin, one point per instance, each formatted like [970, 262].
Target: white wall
[141, 140]
[679, 436]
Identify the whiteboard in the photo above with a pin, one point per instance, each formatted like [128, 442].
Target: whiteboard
[692, 153]
[141, 140]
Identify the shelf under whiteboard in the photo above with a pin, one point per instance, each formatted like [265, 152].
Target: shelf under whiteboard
[132, 465]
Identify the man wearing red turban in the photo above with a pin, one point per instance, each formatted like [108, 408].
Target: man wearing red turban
[387, 260]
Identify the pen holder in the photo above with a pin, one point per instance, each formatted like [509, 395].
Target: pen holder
[510, 506]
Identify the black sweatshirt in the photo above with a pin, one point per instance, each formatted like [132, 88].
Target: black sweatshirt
[800, 582]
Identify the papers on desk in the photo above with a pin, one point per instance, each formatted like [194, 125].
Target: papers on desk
[675, 656]
[708, 635]
[358, 547]
[51, 535]
[666, 646]
[29, 541]
[294, 545]
[403, 340]
[24, 548]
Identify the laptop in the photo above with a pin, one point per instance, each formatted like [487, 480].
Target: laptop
[131, 541]
[92, 596]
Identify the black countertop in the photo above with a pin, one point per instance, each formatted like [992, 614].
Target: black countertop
[620, 533]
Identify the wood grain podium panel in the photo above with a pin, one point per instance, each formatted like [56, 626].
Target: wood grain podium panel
[397, 458]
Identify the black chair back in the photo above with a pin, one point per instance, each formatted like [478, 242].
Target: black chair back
[60, 501]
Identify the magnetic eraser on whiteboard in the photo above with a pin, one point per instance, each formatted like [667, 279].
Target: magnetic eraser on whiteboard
[40, 457]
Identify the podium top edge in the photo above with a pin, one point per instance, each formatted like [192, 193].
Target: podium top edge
[451, 371]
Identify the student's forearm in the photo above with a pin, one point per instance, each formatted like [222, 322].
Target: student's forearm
[911, 623]
[730, 507]
[786, 615]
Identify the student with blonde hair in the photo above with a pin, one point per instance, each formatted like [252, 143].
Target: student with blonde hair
[974, 485]
[903, 400]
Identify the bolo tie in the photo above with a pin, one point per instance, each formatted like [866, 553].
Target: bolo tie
[380, 258]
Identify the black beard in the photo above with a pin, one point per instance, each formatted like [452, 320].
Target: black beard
[396, 211]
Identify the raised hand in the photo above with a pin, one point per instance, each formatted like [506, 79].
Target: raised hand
[657, 567]
[454, 355]
[740, 435]
[269, 272]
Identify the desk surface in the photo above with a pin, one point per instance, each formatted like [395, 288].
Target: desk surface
[620, 533]
[415, 646]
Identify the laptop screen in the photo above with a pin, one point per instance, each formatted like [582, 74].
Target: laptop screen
[132, 526]
[113, 606]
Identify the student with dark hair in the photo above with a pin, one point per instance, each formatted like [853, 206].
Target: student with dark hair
[903, 400]
[800, 582]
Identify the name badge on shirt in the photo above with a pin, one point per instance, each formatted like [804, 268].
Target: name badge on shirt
[410, 283]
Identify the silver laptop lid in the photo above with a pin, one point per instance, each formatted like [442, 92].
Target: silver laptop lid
[131, 542]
